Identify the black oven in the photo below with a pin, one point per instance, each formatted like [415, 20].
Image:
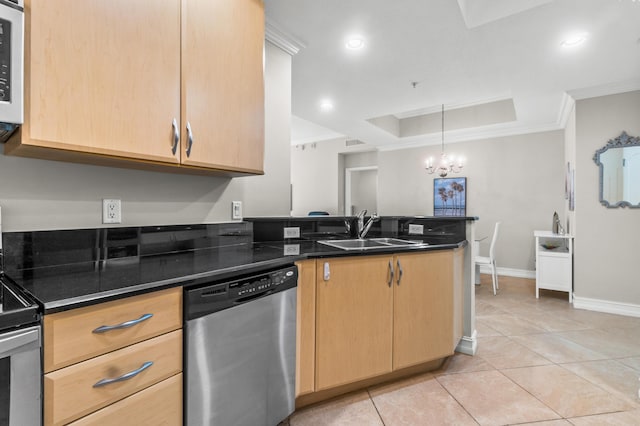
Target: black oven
[11, 66]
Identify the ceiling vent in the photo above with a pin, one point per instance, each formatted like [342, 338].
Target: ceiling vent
[352, 142]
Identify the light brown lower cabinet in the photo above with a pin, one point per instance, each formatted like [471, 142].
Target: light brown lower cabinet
[423, 308]
[376, 315]
[118, 362]
[354, 319]
[160, 404]
[71, 392]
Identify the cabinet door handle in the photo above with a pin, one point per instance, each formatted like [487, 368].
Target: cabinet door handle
[326, 271]
[391, 274]
[126, 376]
[189, 139]
[176, 136]
[126, 324]
[400, 272]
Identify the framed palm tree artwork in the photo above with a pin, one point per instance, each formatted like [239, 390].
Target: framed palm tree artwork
[450, 196]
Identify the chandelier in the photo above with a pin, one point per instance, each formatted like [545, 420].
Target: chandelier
[447, 164]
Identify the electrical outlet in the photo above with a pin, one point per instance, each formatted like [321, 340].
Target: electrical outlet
[291, 249]
[111, 212]
[292, 232]
[416, 229]
[236, 210]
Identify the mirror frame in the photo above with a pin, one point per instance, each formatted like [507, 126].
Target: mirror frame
[622, 141]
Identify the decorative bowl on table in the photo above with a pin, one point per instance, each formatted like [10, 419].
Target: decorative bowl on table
[549, 246]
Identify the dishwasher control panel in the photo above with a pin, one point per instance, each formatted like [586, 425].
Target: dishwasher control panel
[217, 296]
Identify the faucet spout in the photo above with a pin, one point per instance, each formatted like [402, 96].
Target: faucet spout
[360, 224]
[362, 231]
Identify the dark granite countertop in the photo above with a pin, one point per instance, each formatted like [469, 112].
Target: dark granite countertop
[69, 269]
[69, 286]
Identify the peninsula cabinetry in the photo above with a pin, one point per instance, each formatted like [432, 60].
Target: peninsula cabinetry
[354, 319]
[114, 362]
[375, 315]
[149, 84]
[554, 262]
[306, 327]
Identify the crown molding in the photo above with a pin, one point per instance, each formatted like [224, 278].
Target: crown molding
[275, 35]
[488, 132]
[566, 107]
[605, 89]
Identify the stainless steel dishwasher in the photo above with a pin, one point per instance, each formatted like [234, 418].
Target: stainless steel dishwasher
[241, 350]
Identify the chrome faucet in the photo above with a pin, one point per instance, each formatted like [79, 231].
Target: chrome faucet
[363, 229]
[360, 224]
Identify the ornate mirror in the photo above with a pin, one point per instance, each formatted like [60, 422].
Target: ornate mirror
[619, 163]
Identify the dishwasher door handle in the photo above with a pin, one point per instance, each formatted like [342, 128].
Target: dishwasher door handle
[126, 324]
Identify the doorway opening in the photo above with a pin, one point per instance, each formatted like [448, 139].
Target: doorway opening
[360, 190]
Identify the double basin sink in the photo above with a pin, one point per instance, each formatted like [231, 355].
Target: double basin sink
[371, 243]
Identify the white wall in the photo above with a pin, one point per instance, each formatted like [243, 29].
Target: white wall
[314, 177]
[41, 195]
[607, 241]
[518, 180]
[364, 191]
[317, 175]
[270, 194]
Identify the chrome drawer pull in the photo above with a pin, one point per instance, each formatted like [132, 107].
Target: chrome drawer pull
[391, 274]
[127, 324]
[124, 377]
[400, 272]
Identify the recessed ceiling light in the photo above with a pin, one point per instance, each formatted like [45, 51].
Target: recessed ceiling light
[574, 40]
[326, 105]
[354, 43]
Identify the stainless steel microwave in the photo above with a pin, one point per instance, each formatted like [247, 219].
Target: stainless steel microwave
[11, 66]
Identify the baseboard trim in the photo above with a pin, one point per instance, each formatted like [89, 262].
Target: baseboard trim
[509, 272]
[468, 345]
[608, 306]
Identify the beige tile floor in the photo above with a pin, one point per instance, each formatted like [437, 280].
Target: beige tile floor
[539, 362]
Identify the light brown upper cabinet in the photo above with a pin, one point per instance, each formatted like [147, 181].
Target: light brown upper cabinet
[146, 84]
[223, 84]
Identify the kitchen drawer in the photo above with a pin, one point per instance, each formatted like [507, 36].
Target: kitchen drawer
[69, 336]
[160, 404]
[69, 393]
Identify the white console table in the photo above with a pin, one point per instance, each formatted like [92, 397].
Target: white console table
[554, 262]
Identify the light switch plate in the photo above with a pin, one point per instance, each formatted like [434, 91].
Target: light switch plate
[236, 210]
[416, 229]
[292, 232]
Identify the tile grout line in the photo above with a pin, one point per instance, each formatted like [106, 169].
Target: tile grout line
[538, 399]
[375, 406]
[456, 399]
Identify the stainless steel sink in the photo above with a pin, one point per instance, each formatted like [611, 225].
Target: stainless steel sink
[395, 241]
[369, 243]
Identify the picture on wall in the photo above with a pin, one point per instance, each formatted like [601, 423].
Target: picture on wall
[450, 196]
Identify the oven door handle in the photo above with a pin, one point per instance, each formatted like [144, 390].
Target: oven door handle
[18, 341]
[126, 324]
[126, 376]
